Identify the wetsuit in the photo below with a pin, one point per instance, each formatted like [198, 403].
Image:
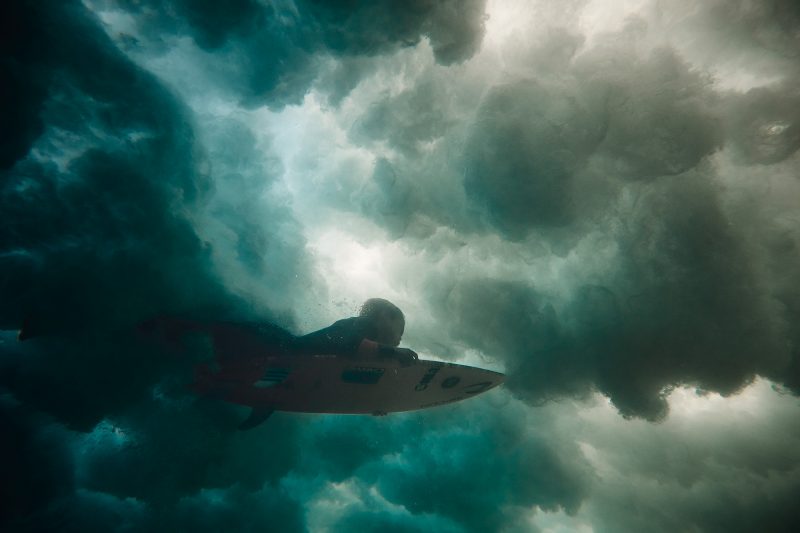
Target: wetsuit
[342, 338]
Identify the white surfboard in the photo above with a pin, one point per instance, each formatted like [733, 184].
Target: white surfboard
[329, 384]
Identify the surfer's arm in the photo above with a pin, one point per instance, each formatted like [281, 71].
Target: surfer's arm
[372, 350]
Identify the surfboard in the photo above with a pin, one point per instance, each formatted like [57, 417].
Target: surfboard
[330, 384]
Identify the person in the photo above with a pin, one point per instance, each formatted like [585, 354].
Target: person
[375, 333]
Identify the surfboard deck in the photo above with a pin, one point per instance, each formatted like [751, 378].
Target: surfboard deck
[330, 384]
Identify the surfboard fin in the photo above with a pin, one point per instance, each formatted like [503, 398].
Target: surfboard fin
[258, 416]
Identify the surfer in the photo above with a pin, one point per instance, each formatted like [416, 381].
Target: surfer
[374, 333]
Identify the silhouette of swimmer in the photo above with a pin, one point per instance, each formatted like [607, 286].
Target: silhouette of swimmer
[376, 331]
[241, 349]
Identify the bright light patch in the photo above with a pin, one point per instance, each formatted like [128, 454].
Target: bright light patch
[353, 271]
[117, 22]
[558, 522]
[687, 402]
[331, 504]
[775, 128]
[503, 20]
[609, 15]
[317, 158]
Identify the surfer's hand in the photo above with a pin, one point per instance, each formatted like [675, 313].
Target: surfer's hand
[405, 356]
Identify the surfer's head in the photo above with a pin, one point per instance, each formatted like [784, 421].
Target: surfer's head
[386, 321]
